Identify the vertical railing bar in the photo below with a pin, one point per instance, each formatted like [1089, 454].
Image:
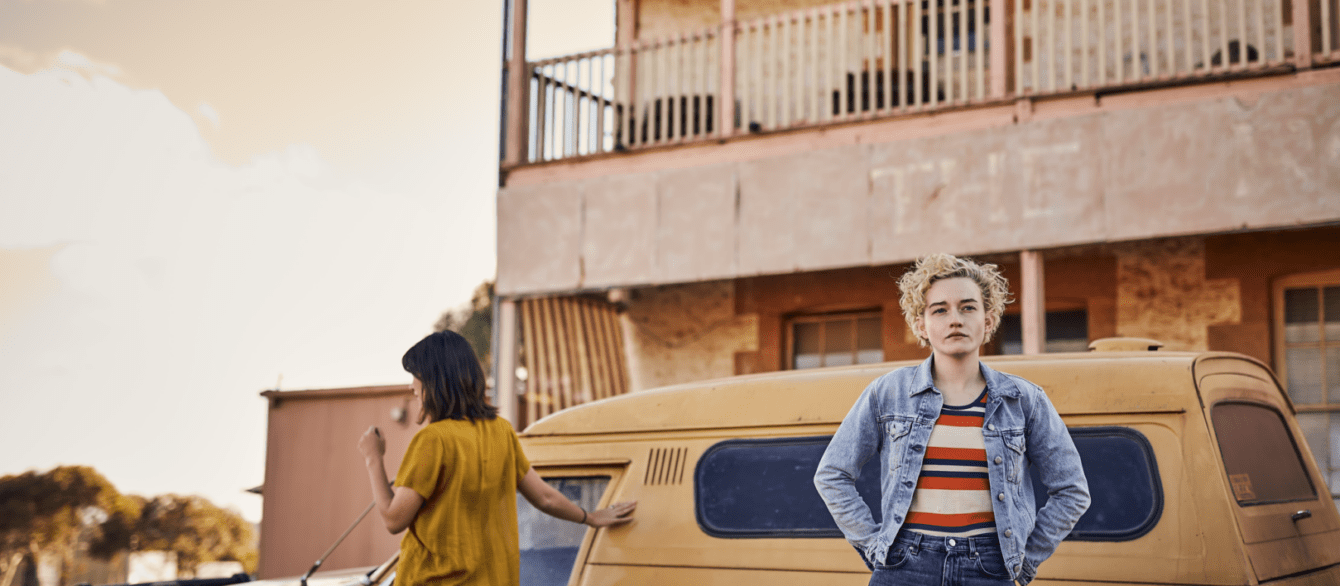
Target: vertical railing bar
[1277, 19]
[1205, 35]
[904, 50]
[700, 91]
[812, 96]
[1223, 35]
[1187, 62]
[1169, 38]
[1084, 43]
[934, 49]
[841, 68]
[1049, 23]
[548, 107]
[1259, 12]
[888, 48]
[980, 47]
[1136, 74]
[663, 88]
[1326, 48]
[648, 93]
[584, 102]
[1019, 48]
[566, 93]
[600, 108]
[768, 74]
[918, 96]
[1242, 36]
[1101, 74]
[871, 65]
[680, 95]
[961, 40]
[1153, 40]
[784, 70]
[1069, 14]
[755, 55]
[1035, 8]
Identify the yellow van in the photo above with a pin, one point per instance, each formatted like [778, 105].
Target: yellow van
[1194, 460]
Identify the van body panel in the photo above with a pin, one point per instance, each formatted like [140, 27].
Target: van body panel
[1202, 536]
[769, 399]
[1278, 543]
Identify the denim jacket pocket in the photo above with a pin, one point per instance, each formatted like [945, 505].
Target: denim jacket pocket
[896, 430]
[1018, 444]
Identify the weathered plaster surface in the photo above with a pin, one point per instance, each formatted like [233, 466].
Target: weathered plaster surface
[689, 332]
[1214, 165]
[1162, 293]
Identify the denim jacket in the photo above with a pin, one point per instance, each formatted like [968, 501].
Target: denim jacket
[893, 419]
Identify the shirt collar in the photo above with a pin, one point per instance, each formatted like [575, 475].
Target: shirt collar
[997, 384]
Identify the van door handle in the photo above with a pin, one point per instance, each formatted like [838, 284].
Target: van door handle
[1300, 515]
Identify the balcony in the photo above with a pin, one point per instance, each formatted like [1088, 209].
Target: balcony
[854, 61]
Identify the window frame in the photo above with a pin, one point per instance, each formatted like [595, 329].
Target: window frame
[1320, 280]
[854, 316]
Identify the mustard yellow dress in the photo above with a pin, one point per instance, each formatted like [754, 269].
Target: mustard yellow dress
[465, 533]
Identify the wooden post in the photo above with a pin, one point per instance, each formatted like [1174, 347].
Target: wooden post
[726, 101]
[518, 89]
[625, 34]
[504, 375]
[1302, 34]
[1033, 303]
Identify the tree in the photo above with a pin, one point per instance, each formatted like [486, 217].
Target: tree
[196, 531]
[51, 513]
[474, 323]
[71, 509]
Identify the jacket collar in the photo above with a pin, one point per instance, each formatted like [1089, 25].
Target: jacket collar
[997, 383]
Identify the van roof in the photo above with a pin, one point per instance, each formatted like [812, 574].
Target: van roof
[1077, 383]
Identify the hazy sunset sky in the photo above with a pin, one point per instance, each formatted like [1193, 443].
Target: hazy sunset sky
[199, 197]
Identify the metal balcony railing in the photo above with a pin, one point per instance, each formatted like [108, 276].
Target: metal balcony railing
[875, 58]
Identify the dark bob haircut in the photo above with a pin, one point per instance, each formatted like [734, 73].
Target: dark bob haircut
[453, 382]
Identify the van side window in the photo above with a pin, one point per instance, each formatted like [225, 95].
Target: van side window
[549, 546]
[765, 488]
[1123, 483]
[1260, 455]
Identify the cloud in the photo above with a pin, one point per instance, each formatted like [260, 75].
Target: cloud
[185, 285]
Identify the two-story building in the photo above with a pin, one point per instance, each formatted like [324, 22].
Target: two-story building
[735, 185]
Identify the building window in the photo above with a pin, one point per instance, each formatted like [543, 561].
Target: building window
[1067, 331]
[1307, 359]
[835, 340]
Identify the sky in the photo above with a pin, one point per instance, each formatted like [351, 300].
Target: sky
[200, 201]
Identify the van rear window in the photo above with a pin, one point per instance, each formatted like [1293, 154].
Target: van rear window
[1260, 455]
[765, 488]
[549, 546]
[1123, 483]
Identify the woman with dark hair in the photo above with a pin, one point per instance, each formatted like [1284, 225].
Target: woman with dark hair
[454, 491]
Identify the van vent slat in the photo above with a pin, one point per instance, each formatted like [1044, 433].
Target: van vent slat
[665, 466]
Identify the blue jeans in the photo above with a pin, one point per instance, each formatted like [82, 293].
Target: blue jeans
[923, 560]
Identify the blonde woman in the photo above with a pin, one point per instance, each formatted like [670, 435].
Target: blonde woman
[954, 439]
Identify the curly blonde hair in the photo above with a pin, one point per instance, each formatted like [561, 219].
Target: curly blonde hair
[939, 266]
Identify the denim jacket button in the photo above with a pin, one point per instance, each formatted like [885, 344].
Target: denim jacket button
[1000, 497]
[897, 519]
[998, 460]
[907, 483]
[991, 426]
[1008, 533]
[1018, 569]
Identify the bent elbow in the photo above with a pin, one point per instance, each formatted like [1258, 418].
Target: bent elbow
[395, 526]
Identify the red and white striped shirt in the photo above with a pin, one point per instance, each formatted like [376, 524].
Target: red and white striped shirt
[953, 496]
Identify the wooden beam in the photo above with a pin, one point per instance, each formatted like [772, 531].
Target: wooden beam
[1032, 303]
[518, 88]
[504, 376]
